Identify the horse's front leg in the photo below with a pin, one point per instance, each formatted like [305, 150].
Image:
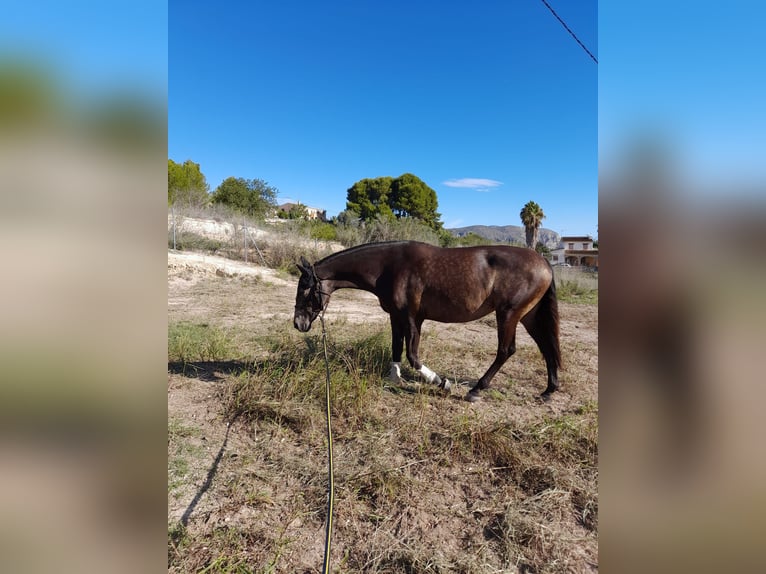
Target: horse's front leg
[412, 339]
[397, 347]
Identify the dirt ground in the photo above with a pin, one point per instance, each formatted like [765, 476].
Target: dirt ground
[256, 300]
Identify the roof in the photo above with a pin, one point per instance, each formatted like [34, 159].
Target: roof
[577, 238]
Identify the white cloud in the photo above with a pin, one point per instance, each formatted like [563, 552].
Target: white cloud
[476, 183]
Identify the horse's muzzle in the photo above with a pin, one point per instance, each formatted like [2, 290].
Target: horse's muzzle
[303, 324]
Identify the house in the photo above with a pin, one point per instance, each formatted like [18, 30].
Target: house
[577, 251]
[311, 212]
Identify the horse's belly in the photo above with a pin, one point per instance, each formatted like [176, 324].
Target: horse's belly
[451, 313]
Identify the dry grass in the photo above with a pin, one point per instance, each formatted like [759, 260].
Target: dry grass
[574, 285]
[424, 482]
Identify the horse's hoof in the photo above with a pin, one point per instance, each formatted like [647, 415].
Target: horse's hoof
[395, 374]
[545, 397]
[472, 397]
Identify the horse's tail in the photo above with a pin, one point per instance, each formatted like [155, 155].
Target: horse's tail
[550, 307]
[542, 323]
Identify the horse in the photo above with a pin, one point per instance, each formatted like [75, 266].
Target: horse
[415, 281]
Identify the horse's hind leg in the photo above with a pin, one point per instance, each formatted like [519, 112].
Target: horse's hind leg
[546, 345]
[507, 319]
[542, 324]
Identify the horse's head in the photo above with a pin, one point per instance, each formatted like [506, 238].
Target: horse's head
[310, 300]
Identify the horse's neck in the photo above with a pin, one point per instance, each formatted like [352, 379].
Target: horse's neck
[346, 273]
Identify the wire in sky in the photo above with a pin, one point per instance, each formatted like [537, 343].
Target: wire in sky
[570, 31]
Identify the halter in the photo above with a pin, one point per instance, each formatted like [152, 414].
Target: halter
[318, 291]
[316, 298]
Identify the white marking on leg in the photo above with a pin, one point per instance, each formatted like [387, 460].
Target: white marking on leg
[429, 375]
[396, 373]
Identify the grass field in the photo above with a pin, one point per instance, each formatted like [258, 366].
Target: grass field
[425, 482]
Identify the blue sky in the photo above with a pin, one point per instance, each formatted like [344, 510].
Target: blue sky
[492, 104]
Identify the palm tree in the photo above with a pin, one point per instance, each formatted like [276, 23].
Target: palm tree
[532, 217]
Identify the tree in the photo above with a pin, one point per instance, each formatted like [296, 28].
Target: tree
[531, 217]
[187, 184]
[369, 198]
[384, 198]
[411, 197]
[252, 197]
[298, 211]
[347, 218]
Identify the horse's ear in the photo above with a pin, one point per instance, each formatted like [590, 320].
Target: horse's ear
[304, 266]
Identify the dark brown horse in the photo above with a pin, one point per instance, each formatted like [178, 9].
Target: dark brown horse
[416, 281]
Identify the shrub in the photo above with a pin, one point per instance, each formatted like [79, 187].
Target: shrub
[323, 231]
[571, 291]
[188, 342]
[187, 240]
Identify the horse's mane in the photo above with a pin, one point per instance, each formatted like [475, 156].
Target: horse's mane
[361, 248]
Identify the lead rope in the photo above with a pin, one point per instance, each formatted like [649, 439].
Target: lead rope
[331, 485]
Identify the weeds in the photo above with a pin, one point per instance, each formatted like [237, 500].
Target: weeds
[570, 291]
[189, 241]
[181, 451]
[288, 386]
[576, 286]
[189, 342]
[282, 254]
[529, 541]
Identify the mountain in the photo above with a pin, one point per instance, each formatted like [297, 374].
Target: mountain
[508, 233]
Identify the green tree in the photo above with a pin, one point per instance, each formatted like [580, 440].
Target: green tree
[298, 211]
[386, 198]
[187, 184]
[252, 197]
[543, 249]
[369, 198]
[531, 217]
[411, 197]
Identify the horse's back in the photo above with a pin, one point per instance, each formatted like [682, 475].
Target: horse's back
[474, 261]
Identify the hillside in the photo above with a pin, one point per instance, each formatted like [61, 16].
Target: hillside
[508, 233]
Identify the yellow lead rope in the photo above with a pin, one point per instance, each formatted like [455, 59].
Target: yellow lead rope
[331, 493]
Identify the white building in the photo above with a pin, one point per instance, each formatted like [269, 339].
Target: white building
[312, 212]
[577, 251]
